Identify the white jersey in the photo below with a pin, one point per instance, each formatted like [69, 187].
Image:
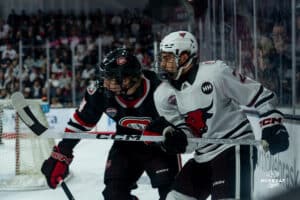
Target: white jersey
[210, 106]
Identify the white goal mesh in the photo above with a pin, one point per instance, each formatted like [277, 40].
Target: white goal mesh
[21, 152]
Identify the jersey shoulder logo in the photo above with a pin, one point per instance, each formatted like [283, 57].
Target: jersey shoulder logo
[91, 89]
[207, 87]
[138, 123]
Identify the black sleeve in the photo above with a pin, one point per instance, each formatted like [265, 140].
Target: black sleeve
[151, 75]
[85, 117]
[91, 108]
[67, 145]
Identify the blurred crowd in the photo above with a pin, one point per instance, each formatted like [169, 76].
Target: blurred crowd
[274, 58]
[75, 39]
[68, 35]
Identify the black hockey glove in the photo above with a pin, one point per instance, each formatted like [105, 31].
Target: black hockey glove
[277, 138]
[57, 166]
[175, 139]
[274, 133]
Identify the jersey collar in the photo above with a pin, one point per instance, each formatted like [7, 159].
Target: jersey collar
[138, 101]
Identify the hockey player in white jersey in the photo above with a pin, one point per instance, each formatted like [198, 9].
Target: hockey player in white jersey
[203, 100]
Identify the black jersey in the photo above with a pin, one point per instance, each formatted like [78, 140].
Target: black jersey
[131, 113]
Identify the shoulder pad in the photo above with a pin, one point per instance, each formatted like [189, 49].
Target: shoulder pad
[149, 74]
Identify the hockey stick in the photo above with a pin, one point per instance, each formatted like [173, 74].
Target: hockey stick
[198, 141]
[27, 115]
[141, 138]
[31, 121]
[65, 188]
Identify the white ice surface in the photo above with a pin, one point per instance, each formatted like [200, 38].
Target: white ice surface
[86, 182]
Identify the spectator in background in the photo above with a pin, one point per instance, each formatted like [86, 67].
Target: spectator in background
[37, 89]
[79, 56]
[35, 74]
[55, 103]
[3, 93]
[282, 46]
[27, 93]
[52, 84]
[12, 19]
[29, 61]
[9, 53]
[135, 28]
[267, 66]
[9, 73]
[56, 67]
[2, 80]
[26, 81]
[65, 31]
[40, 61]
[88, 72]
[4, 29]
[106, 40]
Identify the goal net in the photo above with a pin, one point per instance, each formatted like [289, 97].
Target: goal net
[21, 152]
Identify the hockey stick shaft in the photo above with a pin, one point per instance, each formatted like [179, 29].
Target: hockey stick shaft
[113, 136]
[65, 188]
[32, 122]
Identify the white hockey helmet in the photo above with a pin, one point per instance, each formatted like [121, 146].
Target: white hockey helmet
[177, 43]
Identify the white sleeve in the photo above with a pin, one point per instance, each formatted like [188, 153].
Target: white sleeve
[245, 91]
[165, 103]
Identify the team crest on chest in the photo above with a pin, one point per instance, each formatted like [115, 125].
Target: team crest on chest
[138, 123]
[207, 87]
[112, 112]
[196, 119]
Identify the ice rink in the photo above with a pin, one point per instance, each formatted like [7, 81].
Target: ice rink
[87, 177]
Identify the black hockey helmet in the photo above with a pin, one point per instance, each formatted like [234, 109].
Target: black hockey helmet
[120, 63]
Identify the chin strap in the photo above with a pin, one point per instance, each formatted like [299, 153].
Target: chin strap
[183, 65]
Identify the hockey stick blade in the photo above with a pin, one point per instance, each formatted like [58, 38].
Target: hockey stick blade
[38, 126]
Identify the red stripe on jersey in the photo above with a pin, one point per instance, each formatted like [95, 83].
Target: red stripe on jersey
[67, 130]
[82, 123]
[131, 104]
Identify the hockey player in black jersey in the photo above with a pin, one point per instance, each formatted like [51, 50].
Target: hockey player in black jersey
[202, 100]
[124, 93]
